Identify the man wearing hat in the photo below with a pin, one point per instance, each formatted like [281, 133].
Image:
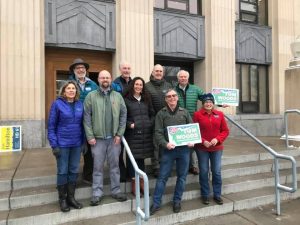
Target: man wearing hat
[78, 70]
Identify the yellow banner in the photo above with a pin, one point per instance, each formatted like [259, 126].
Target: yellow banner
[10, 138]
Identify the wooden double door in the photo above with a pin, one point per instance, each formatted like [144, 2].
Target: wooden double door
[58, 61]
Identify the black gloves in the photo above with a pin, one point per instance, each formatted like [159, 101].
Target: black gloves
[56, 152]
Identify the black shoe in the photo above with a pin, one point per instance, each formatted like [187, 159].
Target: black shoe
[156, 173]
[218, 200]
[154, 209]
[71, 197]
[119, 197]
[205, 200]
[194, 170]
[87, 181]
[176, 207]
[95, 201]
[62, 194]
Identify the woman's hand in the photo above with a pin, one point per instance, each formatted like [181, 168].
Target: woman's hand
[206, 144]
[214, 142]
[56, 152]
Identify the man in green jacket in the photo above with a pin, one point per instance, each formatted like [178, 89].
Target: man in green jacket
[104, 122]
[188, 97]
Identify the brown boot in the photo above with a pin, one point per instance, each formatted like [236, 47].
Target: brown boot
[133, 186]
[142, 185]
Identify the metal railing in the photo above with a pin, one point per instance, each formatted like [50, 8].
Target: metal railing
[276, 156]
[140, 214]
[286, 125]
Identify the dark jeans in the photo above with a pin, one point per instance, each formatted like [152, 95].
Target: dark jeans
[215, 165]
[88, 165]
[130, 169]
[181, 155]
[68, 165]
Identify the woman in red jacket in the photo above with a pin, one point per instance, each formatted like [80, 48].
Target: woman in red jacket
[214, 131]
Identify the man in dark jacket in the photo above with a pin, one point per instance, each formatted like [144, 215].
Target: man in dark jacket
[188, 97]
[171, 115]
[157, 88]
[124, 79]
[78, 70]
[121, 84]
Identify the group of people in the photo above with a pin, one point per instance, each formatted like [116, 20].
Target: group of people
[91, 119]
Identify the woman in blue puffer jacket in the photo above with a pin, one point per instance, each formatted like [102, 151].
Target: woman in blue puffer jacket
[65, 134]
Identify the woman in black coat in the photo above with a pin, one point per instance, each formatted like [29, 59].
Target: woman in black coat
[139, 128]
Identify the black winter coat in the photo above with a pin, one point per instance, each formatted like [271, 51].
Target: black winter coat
[140, 138]
[157, 90]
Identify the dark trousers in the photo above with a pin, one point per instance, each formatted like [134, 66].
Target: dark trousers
[122, 166]
[88, 165]
[130, 169]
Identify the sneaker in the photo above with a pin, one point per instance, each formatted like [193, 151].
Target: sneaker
[194, 170]
[119, 197]
[154, 209]
[95, 200]
[218, 200]
[176, 207]
[205, 200]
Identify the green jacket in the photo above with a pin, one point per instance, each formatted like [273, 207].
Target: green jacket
[190, 97]
[164, 118]
[94, 114]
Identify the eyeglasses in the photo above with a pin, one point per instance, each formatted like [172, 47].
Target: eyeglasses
[79, 67]
[170, 96]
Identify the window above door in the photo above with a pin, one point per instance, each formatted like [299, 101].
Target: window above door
[186, 6]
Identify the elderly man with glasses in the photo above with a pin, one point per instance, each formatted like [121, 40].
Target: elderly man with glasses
[171, 115]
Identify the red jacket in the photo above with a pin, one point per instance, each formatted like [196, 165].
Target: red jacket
[211, 126]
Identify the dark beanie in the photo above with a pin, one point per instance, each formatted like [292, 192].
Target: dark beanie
[206, 97]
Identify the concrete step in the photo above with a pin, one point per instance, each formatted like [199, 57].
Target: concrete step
[51, 214]
[4, 202]
[47, 194]
[33, 177]
[194, 209]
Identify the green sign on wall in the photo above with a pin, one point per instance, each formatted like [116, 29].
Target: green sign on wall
[184, 134]
[226, 96]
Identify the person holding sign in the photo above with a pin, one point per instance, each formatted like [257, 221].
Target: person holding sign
[65, 135]
[214, 131]
[171, 115]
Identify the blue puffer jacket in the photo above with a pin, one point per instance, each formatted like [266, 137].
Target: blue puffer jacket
[65, 127]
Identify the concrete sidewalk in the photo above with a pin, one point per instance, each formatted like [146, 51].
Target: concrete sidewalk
[264, 215]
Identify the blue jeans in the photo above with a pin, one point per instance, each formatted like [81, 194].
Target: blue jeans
[182, 157]
[68, 165]
[215, 165]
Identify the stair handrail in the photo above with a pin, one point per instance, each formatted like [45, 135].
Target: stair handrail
[276, 156]
[140, 214]
[286, 125]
